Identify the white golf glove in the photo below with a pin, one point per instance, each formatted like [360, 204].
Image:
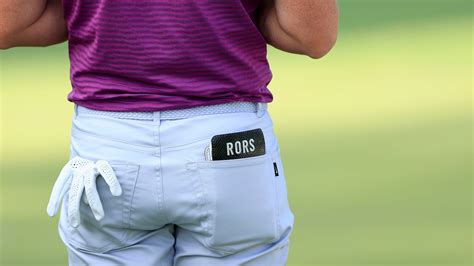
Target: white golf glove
[77, 175]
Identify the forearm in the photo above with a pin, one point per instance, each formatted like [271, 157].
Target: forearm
[31, 23]
[300, 26]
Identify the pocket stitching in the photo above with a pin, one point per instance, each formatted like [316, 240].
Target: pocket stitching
[234, 162]
[135, 169]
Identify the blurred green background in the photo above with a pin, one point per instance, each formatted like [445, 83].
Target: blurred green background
[376, 140]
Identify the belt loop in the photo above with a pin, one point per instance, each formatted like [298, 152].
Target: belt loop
[261, 107]
[157, 117]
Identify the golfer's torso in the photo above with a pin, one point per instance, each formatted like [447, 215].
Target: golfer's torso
[158, 55]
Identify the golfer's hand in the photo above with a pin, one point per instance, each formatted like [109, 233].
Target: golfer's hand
[77, 175]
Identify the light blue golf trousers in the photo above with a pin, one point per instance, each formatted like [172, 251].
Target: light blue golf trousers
[177, 208]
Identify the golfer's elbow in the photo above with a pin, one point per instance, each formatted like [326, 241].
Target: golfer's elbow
[321, 45]
[7, 35]
[4, 35]
[4, 41]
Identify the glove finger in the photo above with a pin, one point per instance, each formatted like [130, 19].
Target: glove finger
[66, 187]
[59, 189]
[93, 195]
[84, 199]
[108, 174]
[75, 193]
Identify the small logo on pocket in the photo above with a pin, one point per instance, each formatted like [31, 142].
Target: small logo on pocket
[275, 168]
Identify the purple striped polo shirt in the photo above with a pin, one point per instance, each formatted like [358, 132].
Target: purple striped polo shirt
[158, 55]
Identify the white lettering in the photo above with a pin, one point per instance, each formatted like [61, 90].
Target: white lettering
[229, 149]
[252, 146]
[245, 145]
[238, 147]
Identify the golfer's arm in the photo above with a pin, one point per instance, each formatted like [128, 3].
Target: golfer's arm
[31, 23]
[306, 27]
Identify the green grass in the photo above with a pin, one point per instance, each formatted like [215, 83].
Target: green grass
[375, 138]
[360, 15]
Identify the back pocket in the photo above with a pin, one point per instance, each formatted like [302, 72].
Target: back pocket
[110, 232]
[240, 199]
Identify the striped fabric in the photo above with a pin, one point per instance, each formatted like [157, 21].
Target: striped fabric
[162, 55]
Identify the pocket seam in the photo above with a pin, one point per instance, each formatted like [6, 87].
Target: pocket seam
[133, 169]
[234, 162]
